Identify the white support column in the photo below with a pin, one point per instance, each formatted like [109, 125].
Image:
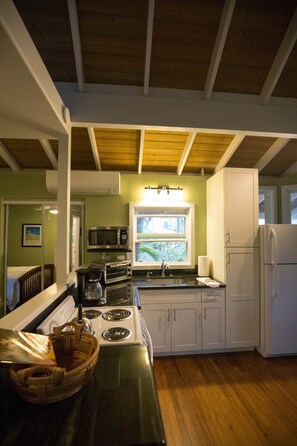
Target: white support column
[63, 200]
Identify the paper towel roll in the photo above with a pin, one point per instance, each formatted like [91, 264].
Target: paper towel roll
[203, 266]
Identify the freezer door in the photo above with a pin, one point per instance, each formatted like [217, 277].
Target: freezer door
[278, 244]
[280, 309]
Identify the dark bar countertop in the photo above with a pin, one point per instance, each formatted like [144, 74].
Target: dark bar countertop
[119, 406]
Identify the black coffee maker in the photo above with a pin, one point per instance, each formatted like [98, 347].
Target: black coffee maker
[89, 290]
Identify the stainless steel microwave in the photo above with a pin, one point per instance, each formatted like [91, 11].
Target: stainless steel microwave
[107, 237]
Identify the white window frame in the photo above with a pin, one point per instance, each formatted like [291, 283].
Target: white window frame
[190, 233]
[286, 202]
[270, 209]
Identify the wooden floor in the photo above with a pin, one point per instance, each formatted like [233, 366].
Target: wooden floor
[228, 399]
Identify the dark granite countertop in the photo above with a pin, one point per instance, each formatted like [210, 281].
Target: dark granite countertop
[126, 291]
[173, 281]
[119, 406]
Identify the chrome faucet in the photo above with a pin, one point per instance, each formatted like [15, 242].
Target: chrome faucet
[163, 268]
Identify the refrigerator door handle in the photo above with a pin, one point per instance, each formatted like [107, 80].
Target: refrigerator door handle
[273, 261]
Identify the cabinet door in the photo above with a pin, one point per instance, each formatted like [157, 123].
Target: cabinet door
[241, 207]
[242, 297]
[213, 325]
[213, 318]
[186, 327]
[158, 318]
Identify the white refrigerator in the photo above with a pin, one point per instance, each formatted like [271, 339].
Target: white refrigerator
[278, 290]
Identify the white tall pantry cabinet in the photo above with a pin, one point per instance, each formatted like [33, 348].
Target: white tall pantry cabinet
[232, 245]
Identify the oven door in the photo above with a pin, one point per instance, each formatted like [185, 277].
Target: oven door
[119, 294]
[147, 340]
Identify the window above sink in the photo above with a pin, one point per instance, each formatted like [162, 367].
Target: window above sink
[162, 233]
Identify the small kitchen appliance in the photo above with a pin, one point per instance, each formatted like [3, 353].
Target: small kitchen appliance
[114, 271]
[108, 237]
[89, 290]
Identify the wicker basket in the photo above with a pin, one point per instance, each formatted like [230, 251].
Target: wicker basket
[76, 354]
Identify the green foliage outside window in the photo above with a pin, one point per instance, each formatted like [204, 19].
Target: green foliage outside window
[158, 251]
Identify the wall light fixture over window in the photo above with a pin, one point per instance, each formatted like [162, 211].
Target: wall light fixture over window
[166, 189]
[164, 192]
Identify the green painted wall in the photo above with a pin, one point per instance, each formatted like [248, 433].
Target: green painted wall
[19, 255]
[115, 209]
[24, 185]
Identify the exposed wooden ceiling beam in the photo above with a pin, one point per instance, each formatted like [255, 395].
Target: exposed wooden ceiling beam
[94, 147]
[218, 47]
[280, 60]
[276, 147]
[76, 43]
[236, 141]
[4, 153]
[49, 152]
[186, 151]
[148, 50]
[141, 144]
[292, 169]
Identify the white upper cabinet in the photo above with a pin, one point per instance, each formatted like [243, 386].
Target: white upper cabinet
[241, 209]
[232, 208]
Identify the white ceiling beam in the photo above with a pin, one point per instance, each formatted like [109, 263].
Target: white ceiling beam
[276, 147]
[46, 145]
[292, 169]
[227, 113]
[186, 151]
[236, 141]
[4, 153]
[280, 60]
[76, 43]
[219, 46]
[141, 145]
[93, 143]
[30, 106]
[148, 50]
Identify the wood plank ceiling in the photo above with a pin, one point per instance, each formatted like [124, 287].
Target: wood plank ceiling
[209, 46]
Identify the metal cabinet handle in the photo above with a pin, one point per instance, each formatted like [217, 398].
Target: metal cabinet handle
[205, 313]
[168, 315]
[227, 237]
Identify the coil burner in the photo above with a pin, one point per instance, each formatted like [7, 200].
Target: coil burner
[91, 314]
[115, 334]
[117, 314]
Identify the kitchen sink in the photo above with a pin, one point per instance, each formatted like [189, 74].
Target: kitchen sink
[166, 281]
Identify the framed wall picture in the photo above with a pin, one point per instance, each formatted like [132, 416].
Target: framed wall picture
[31, 235]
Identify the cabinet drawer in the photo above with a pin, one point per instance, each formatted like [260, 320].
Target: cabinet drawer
[171, 295]
[213, 295]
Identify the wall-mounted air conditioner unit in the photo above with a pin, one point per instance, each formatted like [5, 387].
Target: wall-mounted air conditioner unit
[85, 182]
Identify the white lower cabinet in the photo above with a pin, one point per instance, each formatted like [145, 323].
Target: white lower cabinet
[157, 317]
[242, 297]
[213, 319]
[186, 327]
[178, 321]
